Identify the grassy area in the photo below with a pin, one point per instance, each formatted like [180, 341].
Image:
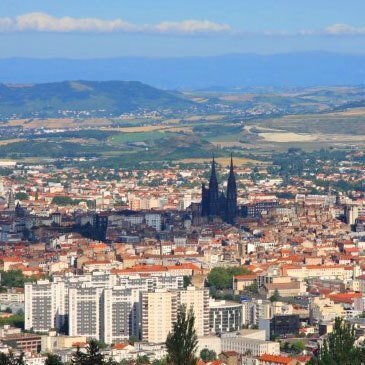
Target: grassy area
[121, 138]
[223, 161]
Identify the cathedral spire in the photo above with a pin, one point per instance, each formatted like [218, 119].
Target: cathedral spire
[213, 175]
[231, 208]
[213, 191]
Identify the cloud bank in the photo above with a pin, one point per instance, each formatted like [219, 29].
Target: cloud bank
[41, 22]
[344, 29]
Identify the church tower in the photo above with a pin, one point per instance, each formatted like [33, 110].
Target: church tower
[213, 192]
[231, 199]
[205, 201]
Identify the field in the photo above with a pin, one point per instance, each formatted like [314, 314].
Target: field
[223, 161]
[309, 119]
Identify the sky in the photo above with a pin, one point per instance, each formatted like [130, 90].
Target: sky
[175, 28]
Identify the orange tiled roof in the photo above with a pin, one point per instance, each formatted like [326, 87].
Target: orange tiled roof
[120, 346]
[276, 359]
[345, 297]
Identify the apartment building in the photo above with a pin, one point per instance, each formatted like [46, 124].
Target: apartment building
[160, 308]
[98, 305]
[255, 309]
[84, 311]
[120, 314]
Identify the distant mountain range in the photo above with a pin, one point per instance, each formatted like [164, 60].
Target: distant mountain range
[102, 98]
[206, 73]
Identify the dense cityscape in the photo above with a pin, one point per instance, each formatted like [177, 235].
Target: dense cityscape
[267, 265]
[182, 182]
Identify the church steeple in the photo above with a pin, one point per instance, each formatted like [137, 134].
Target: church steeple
[213, 175]
[231, 208]
[213, 191]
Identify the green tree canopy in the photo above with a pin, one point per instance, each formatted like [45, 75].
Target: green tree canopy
[298, 346]
[276, 296]
[14, 279]
[11, 359]
[53, 359]
[339, 347]
[222, 277]
[92, 356]
[21, 196]
[208, 355]
[182, 342]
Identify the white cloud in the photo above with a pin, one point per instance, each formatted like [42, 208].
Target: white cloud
[191, 26]
[344, 29]
[41, 22]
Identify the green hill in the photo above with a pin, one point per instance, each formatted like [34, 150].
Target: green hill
[99, 98]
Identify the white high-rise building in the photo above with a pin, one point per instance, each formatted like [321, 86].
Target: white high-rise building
[160, 308]
[121, 314]
[198, 300]
[45, 305]
[84, 312]
[96, 305]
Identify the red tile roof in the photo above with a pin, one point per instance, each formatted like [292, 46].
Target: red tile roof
[276, 359]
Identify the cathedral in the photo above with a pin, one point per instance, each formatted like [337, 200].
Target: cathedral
[217, 204]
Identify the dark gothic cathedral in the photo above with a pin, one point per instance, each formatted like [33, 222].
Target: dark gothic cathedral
[215, 203]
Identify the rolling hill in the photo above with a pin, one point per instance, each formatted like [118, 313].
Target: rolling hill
[104, 98]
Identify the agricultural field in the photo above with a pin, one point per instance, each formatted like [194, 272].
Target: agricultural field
[251, 125]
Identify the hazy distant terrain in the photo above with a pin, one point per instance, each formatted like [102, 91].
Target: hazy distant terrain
[210, 73]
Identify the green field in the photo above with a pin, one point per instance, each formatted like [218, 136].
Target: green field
[120, 138]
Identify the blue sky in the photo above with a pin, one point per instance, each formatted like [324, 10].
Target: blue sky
[113, 28]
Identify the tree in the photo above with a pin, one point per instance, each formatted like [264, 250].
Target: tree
[133, 339]
[93, 356]
[53, 359]
[111, 361]
[275, 297]
[182, 342]
[208, 355]
[142, 360]
[187, 281]
[297, 346]
[339, 347]
[162, 361]
[286, 346]
[253, 288]
[11, 359]
[21, 196]
[222, 278]
[78, 357]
